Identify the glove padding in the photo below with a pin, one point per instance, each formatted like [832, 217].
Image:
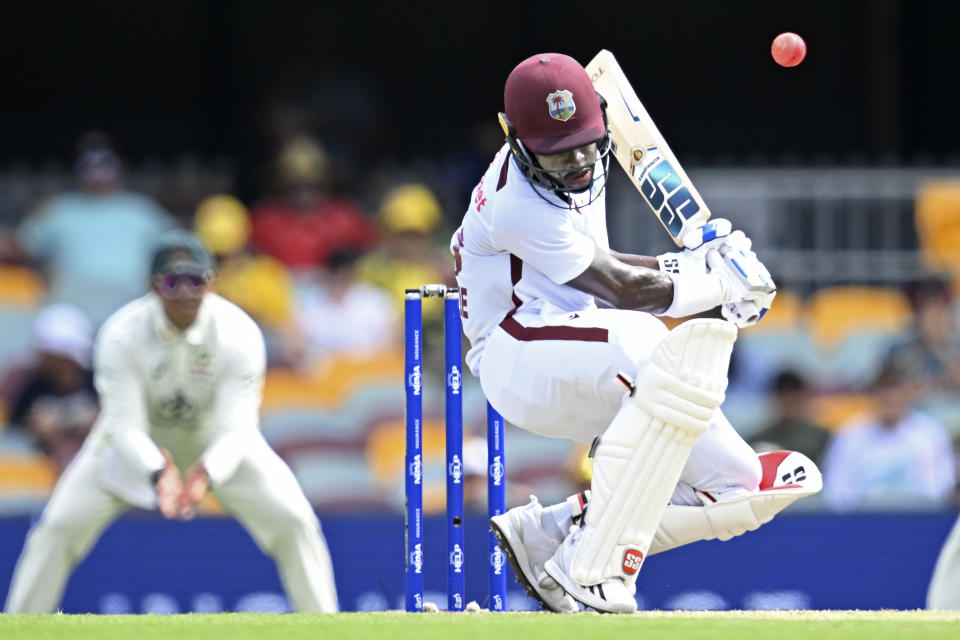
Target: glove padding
[697, 243]
[751, 287]
[709, 235]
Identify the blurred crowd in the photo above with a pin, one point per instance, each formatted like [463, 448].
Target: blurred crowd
[320, 257]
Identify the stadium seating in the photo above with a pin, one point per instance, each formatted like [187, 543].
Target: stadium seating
[341, 430]
[937, 217]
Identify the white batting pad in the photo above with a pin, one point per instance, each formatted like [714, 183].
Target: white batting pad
[640, 456]
[787, 477]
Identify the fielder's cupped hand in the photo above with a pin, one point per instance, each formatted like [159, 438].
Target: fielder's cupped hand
[169, 487]
[195, 486]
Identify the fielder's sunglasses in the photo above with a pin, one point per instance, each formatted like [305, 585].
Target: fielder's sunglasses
[169, 284]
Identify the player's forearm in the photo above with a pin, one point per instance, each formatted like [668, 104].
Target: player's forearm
[237, 410]
[222, 457]
[635, 260]
[138, 450]
[626, 286]
[236, 421]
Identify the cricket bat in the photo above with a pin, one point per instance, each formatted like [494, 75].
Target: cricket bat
[645, 156]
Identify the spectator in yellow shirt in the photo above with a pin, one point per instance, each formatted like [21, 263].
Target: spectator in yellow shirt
[258, 283]
[410, 253]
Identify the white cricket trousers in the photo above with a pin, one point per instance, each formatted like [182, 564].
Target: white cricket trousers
[263, 495]
[944, 590]
[555, 375]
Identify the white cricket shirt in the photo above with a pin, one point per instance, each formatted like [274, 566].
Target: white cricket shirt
[196, 393]
[515, 250]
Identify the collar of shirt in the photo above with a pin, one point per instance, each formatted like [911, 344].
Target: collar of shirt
[167, 332]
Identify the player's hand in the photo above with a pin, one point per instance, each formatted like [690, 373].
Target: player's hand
[195, 486]
[715, 234]
[751, 288]
[168, 487]
[685, 261]
[710, 235]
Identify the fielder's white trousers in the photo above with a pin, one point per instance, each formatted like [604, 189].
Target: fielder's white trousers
[944, 590]
[263, 495]
[555, 375]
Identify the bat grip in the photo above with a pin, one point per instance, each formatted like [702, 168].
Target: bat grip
[747, 309]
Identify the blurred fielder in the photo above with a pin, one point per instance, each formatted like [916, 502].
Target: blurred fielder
[533, 259]
[944, 589]
[180, 377]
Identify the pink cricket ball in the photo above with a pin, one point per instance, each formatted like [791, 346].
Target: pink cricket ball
[788, 49]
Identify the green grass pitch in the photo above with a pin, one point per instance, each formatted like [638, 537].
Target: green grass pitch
[647, 625]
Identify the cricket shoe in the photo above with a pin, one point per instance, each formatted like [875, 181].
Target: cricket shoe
[613, 595]
[527, 546]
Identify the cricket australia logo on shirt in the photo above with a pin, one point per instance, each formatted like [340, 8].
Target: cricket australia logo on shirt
[201, 361]
[177, 409]
[560, 105]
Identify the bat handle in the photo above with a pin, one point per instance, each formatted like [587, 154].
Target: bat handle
[747, 309]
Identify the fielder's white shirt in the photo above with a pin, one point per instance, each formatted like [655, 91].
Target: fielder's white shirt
[196, 392]
[515, 250]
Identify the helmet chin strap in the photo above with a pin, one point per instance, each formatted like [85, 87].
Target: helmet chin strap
[544, 180]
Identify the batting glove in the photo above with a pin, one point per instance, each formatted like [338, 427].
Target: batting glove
[751, 286]
[712, 235]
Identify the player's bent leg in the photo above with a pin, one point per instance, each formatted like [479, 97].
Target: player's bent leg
[528, 544]
[568, 388]
[78, 512]
[639, 460]
[787, 477]
[721, 461]
[265, 497]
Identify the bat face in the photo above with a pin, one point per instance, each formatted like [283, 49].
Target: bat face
[643, 153]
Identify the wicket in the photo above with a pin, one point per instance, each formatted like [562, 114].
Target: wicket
[413, 418]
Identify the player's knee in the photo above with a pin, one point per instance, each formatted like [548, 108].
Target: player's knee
[639, 340]
[744, 474]
[751, 472]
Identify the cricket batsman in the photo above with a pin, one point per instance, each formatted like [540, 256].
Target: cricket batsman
[566, 342]
[179, 373]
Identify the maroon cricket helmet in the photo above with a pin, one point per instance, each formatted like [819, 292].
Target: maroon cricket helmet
[552, 105]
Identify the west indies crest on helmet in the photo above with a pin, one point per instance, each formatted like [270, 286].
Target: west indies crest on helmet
[550, 106]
